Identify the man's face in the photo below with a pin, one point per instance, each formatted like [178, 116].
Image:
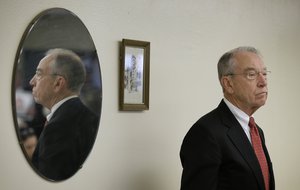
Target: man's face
[249, 94]
[43, 83]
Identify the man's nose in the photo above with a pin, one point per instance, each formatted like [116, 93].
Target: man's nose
[262, 79]
[32, 81]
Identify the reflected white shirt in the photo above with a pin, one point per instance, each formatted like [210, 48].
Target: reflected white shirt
[57, 105]
[241, 116]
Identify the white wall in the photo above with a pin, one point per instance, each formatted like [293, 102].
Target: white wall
[140, 151]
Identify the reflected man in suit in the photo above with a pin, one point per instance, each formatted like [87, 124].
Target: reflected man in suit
[71, 127]
[217, 152]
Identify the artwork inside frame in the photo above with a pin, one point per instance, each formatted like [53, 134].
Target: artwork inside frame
[134, 75]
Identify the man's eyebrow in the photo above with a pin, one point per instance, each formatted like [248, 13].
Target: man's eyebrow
[249, 69]
[253, 69]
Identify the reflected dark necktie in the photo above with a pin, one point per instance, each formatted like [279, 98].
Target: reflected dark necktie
[256, 143]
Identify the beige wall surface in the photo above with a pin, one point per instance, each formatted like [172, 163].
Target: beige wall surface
[140, 150]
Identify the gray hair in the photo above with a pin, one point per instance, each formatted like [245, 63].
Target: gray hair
[227, 62]
[68, 64]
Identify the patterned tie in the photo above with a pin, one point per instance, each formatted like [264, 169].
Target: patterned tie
[256, 143]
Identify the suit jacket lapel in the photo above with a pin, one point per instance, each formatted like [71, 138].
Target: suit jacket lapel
[241, 142]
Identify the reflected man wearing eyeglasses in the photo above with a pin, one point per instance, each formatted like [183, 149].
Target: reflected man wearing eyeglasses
[220, 150]
[71, 127]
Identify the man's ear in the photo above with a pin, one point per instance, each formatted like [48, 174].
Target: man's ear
[227, 84]
[59, 83]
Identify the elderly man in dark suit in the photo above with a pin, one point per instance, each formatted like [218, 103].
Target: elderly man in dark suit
[71, 127]
[225, 149]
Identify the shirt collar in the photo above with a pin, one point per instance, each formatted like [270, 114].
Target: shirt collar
[239, 114]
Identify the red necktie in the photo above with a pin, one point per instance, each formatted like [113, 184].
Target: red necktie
[256, 143]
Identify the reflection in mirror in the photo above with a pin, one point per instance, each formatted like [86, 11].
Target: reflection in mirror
[56, 94]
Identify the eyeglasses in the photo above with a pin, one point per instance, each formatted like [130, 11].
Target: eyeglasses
[38, 75]
[252, 75]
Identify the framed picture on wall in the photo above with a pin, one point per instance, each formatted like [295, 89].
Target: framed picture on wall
[134, 75]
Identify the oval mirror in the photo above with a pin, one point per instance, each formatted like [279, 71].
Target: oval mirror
[56, 94]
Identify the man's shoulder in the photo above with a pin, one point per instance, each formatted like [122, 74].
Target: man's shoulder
[73, 109]
[212, 121]
[214, 115]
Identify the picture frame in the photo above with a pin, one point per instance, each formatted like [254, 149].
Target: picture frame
[134, 75]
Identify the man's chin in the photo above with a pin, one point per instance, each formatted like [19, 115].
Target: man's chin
[36, 100]
[261, 103]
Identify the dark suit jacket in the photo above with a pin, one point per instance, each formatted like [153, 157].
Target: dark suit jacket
[66, 140]
[217, 155]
